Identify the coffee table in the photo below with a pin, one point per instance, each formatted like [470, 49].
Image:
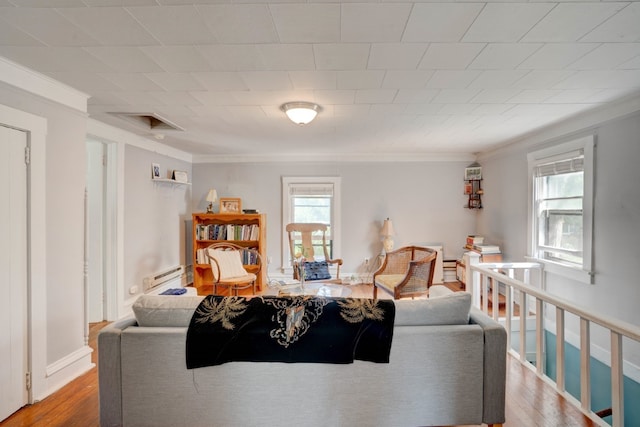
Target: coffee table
[311, 288]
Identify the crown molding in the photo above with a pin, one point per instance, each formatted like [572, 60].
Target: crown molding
[336, 158]
[33, 82]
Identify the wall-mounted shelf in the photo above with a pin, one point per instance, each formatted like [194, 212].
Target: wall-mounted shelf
[169, 181]
[473, 189]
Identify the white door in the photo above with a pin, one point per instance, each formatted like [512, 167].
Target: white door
[13, 271]
[95, 230]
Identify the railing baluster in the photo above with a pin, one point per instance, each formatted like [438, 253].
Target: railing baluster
[508, 313]
[539, 337]
[617, 384]
[495, 305]
[560, 349]
[585, 364]
[523, 326]
[485, 293]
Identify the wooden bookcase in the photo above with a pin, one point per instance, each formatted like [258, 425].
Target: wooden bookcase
[202, 276]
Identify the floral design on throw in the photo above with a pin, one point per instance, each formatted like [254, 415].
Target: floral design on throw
[355, 310]
[294, 317]
[223, 311]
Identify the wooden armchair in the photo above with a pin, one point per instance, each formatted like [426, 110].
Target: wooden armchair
[228, 262]
[406, 272]
[302, 238]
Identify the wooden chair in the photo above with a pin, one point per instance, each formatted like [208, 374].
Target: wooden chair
[406, 272]
[227, 265]
[305, 235]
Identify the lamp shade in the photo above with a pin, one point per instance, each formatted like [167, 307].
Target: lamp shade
[212, 195]
[387, 228]
[301, 113]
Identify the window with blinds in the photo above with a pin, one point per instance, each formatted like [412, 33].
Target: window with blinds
[312, 199]
[561, 217]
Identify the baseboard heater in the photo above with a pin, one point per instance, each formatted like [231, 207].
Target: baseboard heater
[158, 279]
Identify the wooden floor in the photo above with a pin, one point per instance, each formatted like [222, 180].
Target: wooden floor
[530, 402]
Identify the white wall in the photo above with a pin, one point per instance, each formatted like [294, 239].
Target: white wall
[154, 215]
[424, 199]
[616, 290]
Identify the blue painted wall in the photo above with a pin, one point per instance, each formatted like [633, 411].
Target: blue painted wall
[600, 381]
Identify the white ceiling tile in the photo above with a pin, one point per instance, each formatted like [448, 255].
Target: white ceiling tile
[632, 64]
[286, 56]
[450, 55]
[313, 79]
[494, 96]
[532, 96]
[440, 22]
[226, 57]
[456, 109]
[107, 99]
[608, 95]
[554, 56]
[369, 79]
[111, 25]
[497, 56]
[571, 96]
[84, 81]
[49, 3]
[124, 3]
[552, 110]
[406, 79]
[266, 80]
[336, 97]
[562, 25]
[48, 59]
[354, 111]
[622, 27]
[178, 59]
[131, 81]
[370, 22]
[426, 110]
[601, 79]
[497, 79]
[452, 79]
[124, 59]
[491, 109]
[607, 55]
[350, 56]
[414, 96]
[514, 19]
[139, 98]
[173, 25]
[541, 79]
[239, 23]
[219, 80]
[175, 81]
[375, 96]
[307, 23]
[455, 96]
[393, 56]
[48, 26]
[12, 36]
[386, 110]
[176, 98]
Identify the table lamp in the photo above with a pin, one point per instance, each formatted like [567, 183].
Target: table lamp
[212, 196]
[387, 232]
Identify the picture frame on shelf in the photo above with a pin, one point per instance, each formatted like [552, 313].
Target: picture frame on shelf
[473, 173]
[155, 171]
[230, 205]
[180, 176]
[468, 188]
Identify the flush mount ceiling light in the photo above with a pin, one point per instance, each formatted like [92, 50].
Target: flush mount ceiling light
[301, 113]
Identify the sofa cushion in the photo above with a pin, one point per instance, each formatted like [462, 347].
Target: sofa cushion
[229, 262]
[449, 309]
[165, 310]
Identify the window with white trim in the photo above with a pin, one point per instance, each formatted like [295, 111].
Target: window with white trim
[562, 205]
[311, 199]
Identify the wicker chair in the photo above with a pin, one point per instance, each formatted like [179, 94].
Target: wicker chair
[226, 261]
[310, 234]
[405, 272]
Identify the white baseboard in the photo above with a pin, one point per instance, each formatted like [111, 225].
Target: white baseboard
[65, 370]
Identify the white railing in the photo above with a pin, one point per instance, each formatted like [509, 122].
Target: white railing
[500, 278]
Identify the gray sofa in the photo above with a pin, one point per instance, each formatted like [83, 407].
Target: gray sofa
[447, 367]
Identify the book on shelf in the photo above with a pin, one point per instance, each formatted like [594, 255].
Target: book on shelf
[227, 232]
[474, 240]
[487, 249]
[247, 257]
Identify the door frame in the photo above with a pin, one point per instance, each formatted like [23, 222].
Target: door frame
[35, 128]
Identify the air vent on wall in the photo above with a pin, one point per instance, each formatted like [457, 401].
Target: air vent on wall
[148, 121]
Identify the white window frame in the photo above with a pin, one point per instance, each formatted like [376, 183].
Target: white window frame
[291, 181]
[560, 151]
